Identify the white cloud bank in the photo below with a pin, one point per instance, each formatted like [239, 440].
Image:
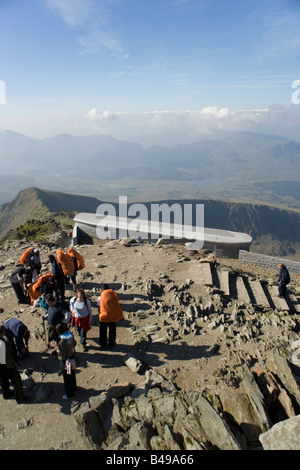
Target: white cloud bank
[162, 127]
[208, 122]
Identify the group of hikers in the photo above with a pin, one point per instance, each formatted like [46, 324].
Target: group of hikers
[60, 317]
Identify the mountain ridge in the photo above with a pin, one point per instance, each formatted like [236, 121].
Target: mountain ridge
[274, 230]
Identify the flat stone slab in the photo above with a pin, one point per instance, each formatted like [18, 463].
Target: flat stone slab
[280, 304]
[242, 293]
[224, 282]
[259, 294]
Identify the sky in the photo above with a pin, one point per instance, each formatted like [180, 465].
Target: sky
[127, 68]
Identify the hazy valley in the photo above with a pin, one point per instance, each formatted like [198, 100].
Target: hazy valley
[241, 167]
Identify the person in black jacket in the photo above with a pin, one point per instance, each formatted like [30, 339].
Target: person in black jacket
[9, 372]
[283, 279]
[59, 277]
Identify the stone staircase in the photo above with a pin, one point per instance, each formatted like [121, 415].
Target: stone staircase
[243, 289]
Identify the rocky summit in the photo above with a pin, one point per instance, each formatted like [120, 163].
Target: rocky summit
[207, 355]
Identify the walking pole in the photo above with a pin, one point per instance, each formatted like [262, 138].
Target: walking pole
[46, 333]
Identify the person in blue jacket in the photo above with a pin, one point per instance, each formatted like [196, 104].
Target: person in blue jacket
[18, 336]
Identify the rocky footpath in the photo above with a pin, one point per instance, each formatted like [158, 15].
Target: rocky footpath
[198, 364]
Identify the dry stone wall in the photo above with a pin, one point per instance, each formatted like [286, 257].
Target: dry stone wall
[268, 261]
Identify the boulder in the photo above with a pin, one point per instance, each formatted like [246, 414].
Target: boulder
[281, 369]
[88, 426]
[283, 435]
[141, 434]
[215, 427]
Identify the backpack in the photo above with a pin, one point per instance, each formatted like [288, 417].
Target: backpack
[42, 279]
[74, 254]
[286, 276]
[66, 263]
[25, 258]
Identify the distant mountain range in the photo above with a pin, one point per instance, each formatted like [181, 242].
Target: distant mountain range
[275, 230]
[243, 167]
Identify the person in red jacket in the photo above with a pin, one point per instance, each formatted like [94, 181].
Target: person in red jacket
[110, 312]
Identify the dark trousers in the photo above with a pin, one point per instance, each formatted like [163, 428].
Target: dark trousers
[18, 348]
[11, 374]
[112, 332]
[69, 380]
[60, 289]
[17, 345]
[282, 289]
[19, 292]
[52, 333]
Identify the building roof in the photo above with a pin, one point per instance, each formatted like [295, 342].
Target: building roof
[154, 230]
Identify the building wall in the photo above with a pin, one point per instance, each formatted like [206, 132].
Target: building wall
[268, 261]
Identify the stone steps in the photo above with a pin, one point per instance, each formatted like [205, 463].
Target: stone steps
[242, 292]
[245, 290]
[259, 294]
[224, 282]
[280, 304]
[295, 301]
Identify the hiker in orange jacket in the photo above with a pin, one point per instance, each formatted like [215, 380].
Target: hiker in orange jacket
[110, 312]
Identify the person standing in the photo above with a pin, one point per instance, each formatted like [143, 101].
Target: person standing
[59, 277]
[283, 279]
[18, 280]
[110, 312]
[54, 316]
[66, 354]
[9, 372]
[81, 309]
[35, 264]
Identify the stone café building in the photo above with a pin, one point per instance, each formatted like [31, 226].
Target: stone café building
[222, 243]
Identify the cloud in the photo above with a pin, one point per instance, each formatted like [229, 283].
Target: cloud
[91, 22]
[280, 21]
[73, 12]
[95, 115]
[208, 122]
[164, 127]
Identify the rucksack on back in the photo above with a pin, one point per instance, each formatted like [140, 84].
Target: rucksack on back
[25, 256]
[42, 279]
[287, 277]
[65, 262]
[74, 254]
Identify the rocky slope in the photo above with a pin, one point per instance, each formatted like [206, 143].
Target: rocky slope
[187, 353]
